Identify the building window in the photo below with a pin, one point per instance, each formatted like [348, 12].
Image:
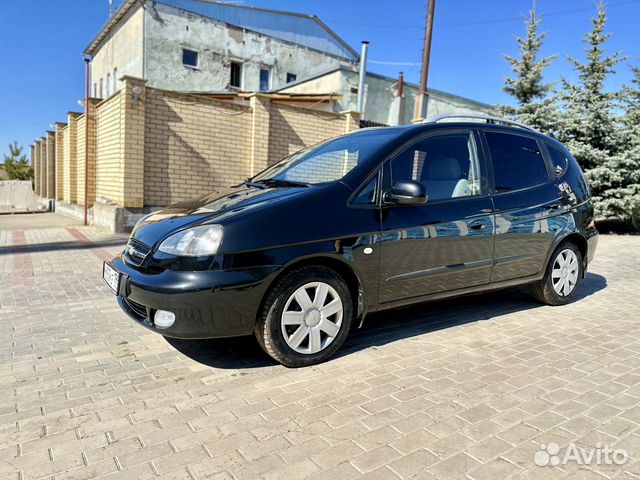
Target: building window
[108, 83]
[100, 96]
[236, 75]
[115, 80]
[265, 75]
[189, 58]
[291, 77]
[95, 90]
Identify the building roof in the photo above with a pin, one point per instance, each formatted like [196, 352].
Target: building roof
[343, 68]
[302, 29]
[125, 7]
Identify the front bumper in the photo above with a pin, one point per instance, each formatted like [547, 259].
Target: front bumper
[207, 304]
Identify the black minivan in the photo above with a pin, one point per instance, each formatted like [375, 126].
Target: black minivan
[376, 219]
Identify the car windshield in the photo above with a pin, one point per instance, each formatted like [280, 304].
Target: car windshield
[327, 161]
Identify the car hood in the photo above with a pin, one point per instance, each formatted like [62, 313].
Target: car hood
[213, 208]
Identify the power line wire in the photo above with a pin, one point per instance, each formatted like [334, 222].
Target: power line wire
[482, 22]
[401, 64]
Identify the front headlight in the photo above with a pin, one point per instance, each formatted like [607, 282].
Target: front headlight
[194, 242]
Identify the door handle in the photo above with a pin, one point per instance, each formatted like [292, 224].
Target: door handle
[478, 225]
[555, 206]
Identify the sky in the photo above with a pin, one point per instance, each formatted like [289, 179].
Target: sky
[41, 44]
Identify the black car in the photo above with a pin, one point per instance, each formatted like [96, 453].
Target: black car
[372, 220]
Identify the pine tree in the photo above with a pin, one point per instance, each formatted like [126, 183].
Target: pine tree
[618, 178]
[527, 86]
[16, 165]
[588, 124]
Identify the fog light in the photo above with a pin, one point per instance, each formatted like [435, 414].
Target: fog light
[164, 319]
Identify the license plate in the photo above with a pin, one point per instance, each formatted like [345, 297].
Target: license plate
[111, 277]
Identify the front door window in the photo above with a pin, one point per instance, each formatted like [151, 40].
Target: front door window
[447, 165]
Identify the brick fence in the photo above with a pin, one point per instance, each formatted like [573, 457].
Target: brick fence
[151, 148]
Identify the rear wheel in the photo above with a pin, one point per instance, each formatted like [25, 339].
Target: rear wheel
[306, 316]
[560, 283]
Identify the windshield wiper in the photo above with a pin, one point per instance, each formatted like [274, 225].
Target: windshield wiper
[247, 182]
[280, 182]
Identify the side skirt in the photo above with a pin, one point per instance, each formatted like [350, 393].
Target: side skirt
[462, 291]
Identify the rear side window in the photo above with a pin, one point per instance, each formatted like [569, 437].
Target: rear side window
[558, 159]
[517, 161]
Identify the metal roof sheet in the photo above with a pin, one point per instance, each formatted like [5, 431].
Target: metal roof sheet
[301, 29]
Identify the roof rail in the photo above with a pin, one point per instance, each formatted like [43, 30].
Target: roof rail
[487, 118]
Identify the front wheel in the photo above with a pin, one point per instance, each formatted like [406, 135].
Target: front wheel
[560, 283]
[306, 316]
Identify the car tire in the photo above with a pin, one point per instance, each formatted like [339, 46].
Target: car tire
[564, 265]
[298, 333]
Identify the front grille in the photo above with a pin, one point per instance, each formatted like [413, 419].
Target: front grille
[136, 252]
[139, 310]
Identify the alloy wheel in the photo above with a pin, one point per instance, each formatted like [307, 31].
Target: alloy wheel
[564, 275]
[312, 317]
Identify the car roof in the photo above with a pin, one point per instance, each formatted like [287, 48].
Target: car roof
[407, 132]
[497, 127]
[423, 127]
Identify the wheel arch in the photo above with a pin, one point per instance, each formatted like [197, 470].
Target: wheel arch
[578, 240]
[573, 237]
[338, 265]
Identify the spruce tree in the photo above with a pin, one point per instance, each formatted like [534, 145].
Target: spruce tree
[588, 123]
[16, 165]
[618, 178]
[527, 86]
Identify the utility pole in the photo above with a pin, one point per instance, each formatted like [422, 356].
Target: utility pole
[422, 98]
[363, 75]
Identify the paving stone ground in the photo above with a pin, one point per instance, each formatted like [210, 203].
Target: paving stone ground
[467, 388]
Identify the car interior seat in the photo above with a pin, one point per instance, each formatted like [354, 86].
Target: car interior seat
[444, 178]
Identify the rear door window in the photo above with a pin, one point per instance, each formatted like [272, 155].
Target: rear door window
[517, 161]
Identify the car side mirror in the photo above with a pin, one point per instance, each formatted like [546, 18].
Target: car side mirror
[406, 192]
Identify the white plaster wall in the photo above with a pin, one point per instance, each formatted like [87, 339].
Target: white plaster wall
[382, 105]
[333, 82]
[439, 103]
[169, 30]
[122, 50]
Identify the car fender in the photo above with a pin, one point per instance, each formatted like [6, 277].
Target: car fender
[334, 255]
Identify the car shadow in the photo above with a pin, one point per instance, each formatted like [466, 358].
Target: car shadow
[61, 246]
[384, 327]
